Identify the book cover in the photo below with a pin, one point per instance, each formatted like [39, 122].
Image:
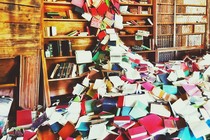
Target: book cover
[28, 135]
[24, 117]
[148, 86]
[65, 47]
[128, 125]
[122, 119]
[56, 49]
[136, 132]
[54, 71]
[102, 9]
[67, 130]
[152, 123]
[55, 127]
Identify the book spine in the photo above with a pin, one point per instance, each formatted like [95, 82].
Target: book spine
[54, 71]
[70, 48]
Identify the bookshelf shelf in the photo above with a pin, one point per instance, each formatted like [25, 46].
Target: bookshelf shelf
[193, 23]
[139, 15]
[57, 3]
[195, 14]
[131, 35]
[149, 51]
[165, 23]
[68, 37]
[182, 48]
[189, 34]
[65, 79]
[61, 57]
[165, 3]
[138, 26]
[9, 85]
[68, 20]
[166, 13]
[165, 35]
[193, 5]
[136, 4]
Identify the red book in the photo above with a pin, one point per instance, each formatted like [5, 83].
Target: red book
[152, 123]
[23, 117]
[101, 35]
[86, 8]
[102, 9]
[128, 125]
[28, 135]
[83, 109]
[93, 11]
[120, 101]
[136, 132]
[122, 119]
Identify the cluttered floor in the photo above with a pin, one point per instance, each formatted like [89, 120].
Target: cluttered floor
[166, 101]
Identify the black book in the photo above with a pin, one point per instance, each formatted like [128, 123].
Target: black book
[56, 49]
[65, 47]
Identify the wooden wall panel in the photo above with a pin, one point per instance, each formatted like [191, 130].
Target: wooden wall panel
[29, 85]
[24, 2]
[20, 34]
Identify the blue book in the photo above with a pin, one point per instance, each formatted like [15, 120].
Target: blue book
[125, 111]
[163, 78]
[83, 126]
[170, 89]
[56, 127]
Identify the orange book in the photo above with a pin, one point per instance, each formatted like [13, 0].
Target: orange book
[67, 130]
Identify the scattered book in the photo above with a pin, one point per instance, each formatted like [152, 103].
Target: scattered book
[136, 132]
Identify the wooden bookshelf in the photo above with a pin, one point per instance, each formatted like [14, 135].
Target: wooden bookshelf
[139, 12]
[184, 30]
[64, 24]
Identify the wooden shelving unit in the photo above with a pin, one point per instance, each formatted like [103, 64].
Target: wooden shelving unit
[181, 28]
[54, 87]
[139, 12]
